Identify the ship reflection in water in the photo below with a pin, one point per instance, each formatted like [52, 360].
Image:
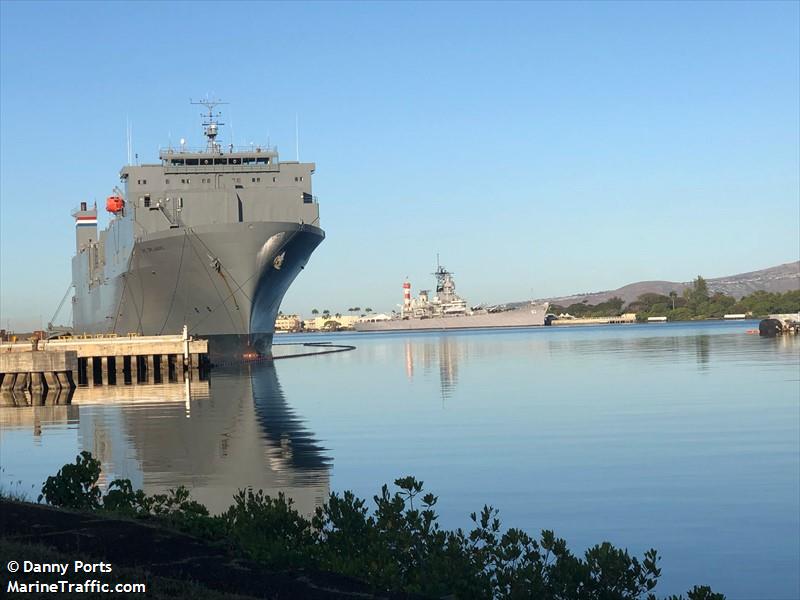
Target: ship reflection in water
[443, 351]
[233, 432]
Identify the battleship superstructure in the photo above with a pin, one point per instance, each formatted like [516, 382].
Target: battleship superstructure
[210, 238]
[448, 310]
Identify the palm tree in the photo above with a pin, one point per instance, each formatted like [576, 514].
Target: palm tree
[369, 310]
[326, 312]
[315, 312]
[673, 294]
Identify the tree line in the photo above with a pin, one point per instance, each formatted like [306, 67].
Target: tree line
[696, 302]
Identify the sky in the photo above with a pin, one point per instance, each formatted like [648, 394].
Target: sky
[540, 149]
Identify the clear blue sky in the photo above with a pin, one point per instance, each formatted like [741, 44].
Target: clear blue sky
[541, 149]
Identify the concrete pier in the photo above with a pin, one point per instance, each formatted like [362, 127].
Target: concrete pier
[100, 361]
[35, 377]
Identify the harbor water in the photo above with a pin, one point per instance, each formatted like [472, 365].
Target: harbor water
[681, 437]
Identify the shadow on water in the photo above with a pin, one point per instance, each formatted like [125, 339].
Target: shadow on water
[243, 434]
[702, 351]
[293, 448]
[704, 347]
[235, 431]
[39, 397]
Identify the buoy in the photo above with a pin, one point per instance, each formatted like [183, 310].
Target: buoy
[115, 204]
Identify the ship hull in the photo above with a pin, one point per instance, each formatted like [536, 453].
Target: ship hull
[225, 282]
[530, 316]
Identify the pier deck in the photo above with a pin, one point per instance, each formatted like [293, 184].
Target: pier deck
[99, 360]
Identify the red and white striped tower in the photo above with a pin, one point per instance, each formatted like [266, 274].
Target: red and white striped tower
[406, 296]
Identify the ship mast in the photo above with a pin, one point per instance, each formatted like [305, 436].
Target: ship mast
[211, 124]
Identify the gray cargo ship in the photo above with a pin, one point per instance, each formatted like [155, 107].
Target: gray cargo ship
[210, 238]
[448, 310]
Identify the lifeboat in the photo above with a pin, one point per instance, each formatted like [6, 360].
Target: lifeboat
[115, 204]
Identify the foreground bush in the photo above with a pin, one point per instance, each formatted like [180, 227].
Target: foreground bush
[399, 547]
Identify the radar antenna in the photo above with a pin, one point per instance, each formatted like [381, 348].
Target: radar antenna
[443, 277]
[210, 123]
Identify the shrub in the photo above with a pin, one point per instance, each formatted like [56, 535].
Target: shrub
[74, 486]
[398, 547]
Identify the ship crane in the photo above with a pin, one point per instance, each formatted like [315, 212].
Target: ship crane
[50, 324]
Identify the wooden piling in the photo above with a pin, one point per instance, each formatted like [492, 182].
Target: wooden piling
[151, 369]
[21, 382]
[65, 379]
[52, 382]
[8, 382]
[119, 370]
[104, 370]
[180, 372]
[90, 371]
[163, 367]
[135, 369]
[37, 383]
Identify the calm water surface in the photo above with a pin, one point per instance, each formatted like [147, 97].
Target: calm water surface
[682, 437]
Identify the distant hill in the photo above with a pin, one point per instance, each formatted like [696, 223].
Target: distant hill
[782, 278]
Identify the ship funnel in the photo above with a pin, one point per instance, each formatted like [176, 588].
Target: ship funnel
[85, 226]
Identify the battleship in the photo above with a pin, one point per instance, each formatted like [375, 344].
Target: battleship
[448, 310]
[209, 238]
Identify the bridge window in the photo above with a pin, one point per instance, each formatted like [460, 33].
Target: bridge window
[177, 161]
[192, 162]
[220, 161]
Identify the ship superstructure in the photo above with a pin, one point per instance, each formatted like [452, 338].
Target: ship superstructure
[445, 303]
[448, 310]
[211, 238]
